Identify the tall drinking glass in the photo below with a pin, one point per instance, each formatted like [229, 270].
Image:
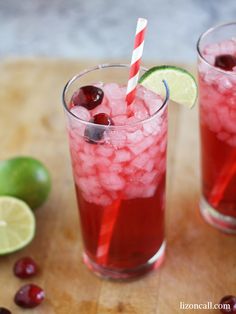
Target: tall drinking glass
[119, 173]
[217, 87]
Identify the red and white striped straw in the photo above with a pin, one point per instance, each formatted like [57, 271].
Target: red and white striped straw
[136, 60]
[111, 212]
[109, 218]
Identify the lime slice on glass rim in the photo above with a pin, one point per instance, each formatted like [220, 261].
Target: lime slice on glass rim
[182, 85]
[17, 224]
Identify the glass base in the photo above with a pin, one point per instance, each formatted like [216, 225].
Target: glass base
[213, 217]
[123, 274]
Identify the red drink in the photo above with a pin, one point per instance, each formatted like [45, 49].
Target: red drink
[217, 86]
[119, 172]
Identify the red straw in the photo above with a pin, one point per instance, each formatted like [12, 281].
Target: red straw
[136, 59]
[110, 213]
[107, 225]
[223, 180]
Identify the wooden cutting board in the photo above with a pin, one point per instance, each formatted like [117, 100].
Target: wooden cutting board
[200, 264]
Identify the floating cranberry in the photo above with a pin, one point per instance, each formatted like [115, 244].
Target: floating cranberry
[3, 310]
[225, 62]
[229, 300]
[29, 296]
[103, 119]
[88, 96]
[25, 267]
[93, 133]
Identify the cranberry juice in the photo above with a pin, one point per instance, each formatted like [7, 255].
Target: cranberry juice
[138, 232]
[217, 86]
[118, 156]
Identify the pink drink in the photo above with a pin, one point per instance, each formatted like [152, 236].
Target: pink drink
[217, 85]
[120, 180]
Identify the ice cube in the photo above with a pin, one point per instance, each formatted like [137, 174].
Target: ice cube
[76, 134]
[149, 165]
[135, 137]
[103, 200]
[102, 163]
[118, 107]
[120, 119]
[140, 147]
[212, 50]
[87, 169]
[149, 190]
[113, 90]
[224, 84]
[104, 150]
[203, 68]
[117, 138]
[140, 161]
[89, 149]
[163, 145]
[115, 168]
[211, 76]
[82, 183]
[152, 126]
[101, 109]
[140, 91]
[227, 47]
[81, 112]
[111, 181]
[139, 190]
[154, 151]
[88, 163]
[133, 190]
[153, 101]
[139, 109]
[122, 155]
[148, 177]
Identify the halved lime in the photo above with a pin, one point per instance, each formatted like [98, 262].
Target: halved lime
[17, 224]
[182, 85]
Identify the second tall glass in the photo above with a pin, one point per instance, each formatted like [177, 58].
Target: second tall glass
[217, 87]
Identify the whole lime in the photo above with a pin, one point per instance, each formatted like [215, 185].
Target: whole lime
[25, 178]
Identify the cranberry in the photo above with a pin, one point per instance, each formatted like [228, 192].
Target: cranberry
[29, 296]
[88, 96]
[225, 62]
[3, 310]
[230, 300]
[25, 267]
[93, 133]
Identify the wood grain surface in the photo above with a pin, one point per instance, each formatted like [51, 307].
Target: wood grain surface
[200, 264]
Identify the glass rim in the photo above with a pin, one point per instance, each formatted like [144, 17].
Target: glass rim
[104, 66]
[206, 33]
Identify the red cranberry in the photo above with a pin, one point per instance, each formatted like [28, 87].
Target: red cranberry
[93, 133]
[103, 119]
[88, 96]
[225, 62]
[229, 300]
[25, 267]
[3, 310]
[29, 296]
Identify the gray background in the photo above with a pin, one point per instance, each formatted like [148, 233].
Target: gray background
[105, 28]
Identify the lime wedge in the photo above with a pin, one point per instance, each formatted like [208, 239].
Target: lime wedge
[182, 85]
[17, 224]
